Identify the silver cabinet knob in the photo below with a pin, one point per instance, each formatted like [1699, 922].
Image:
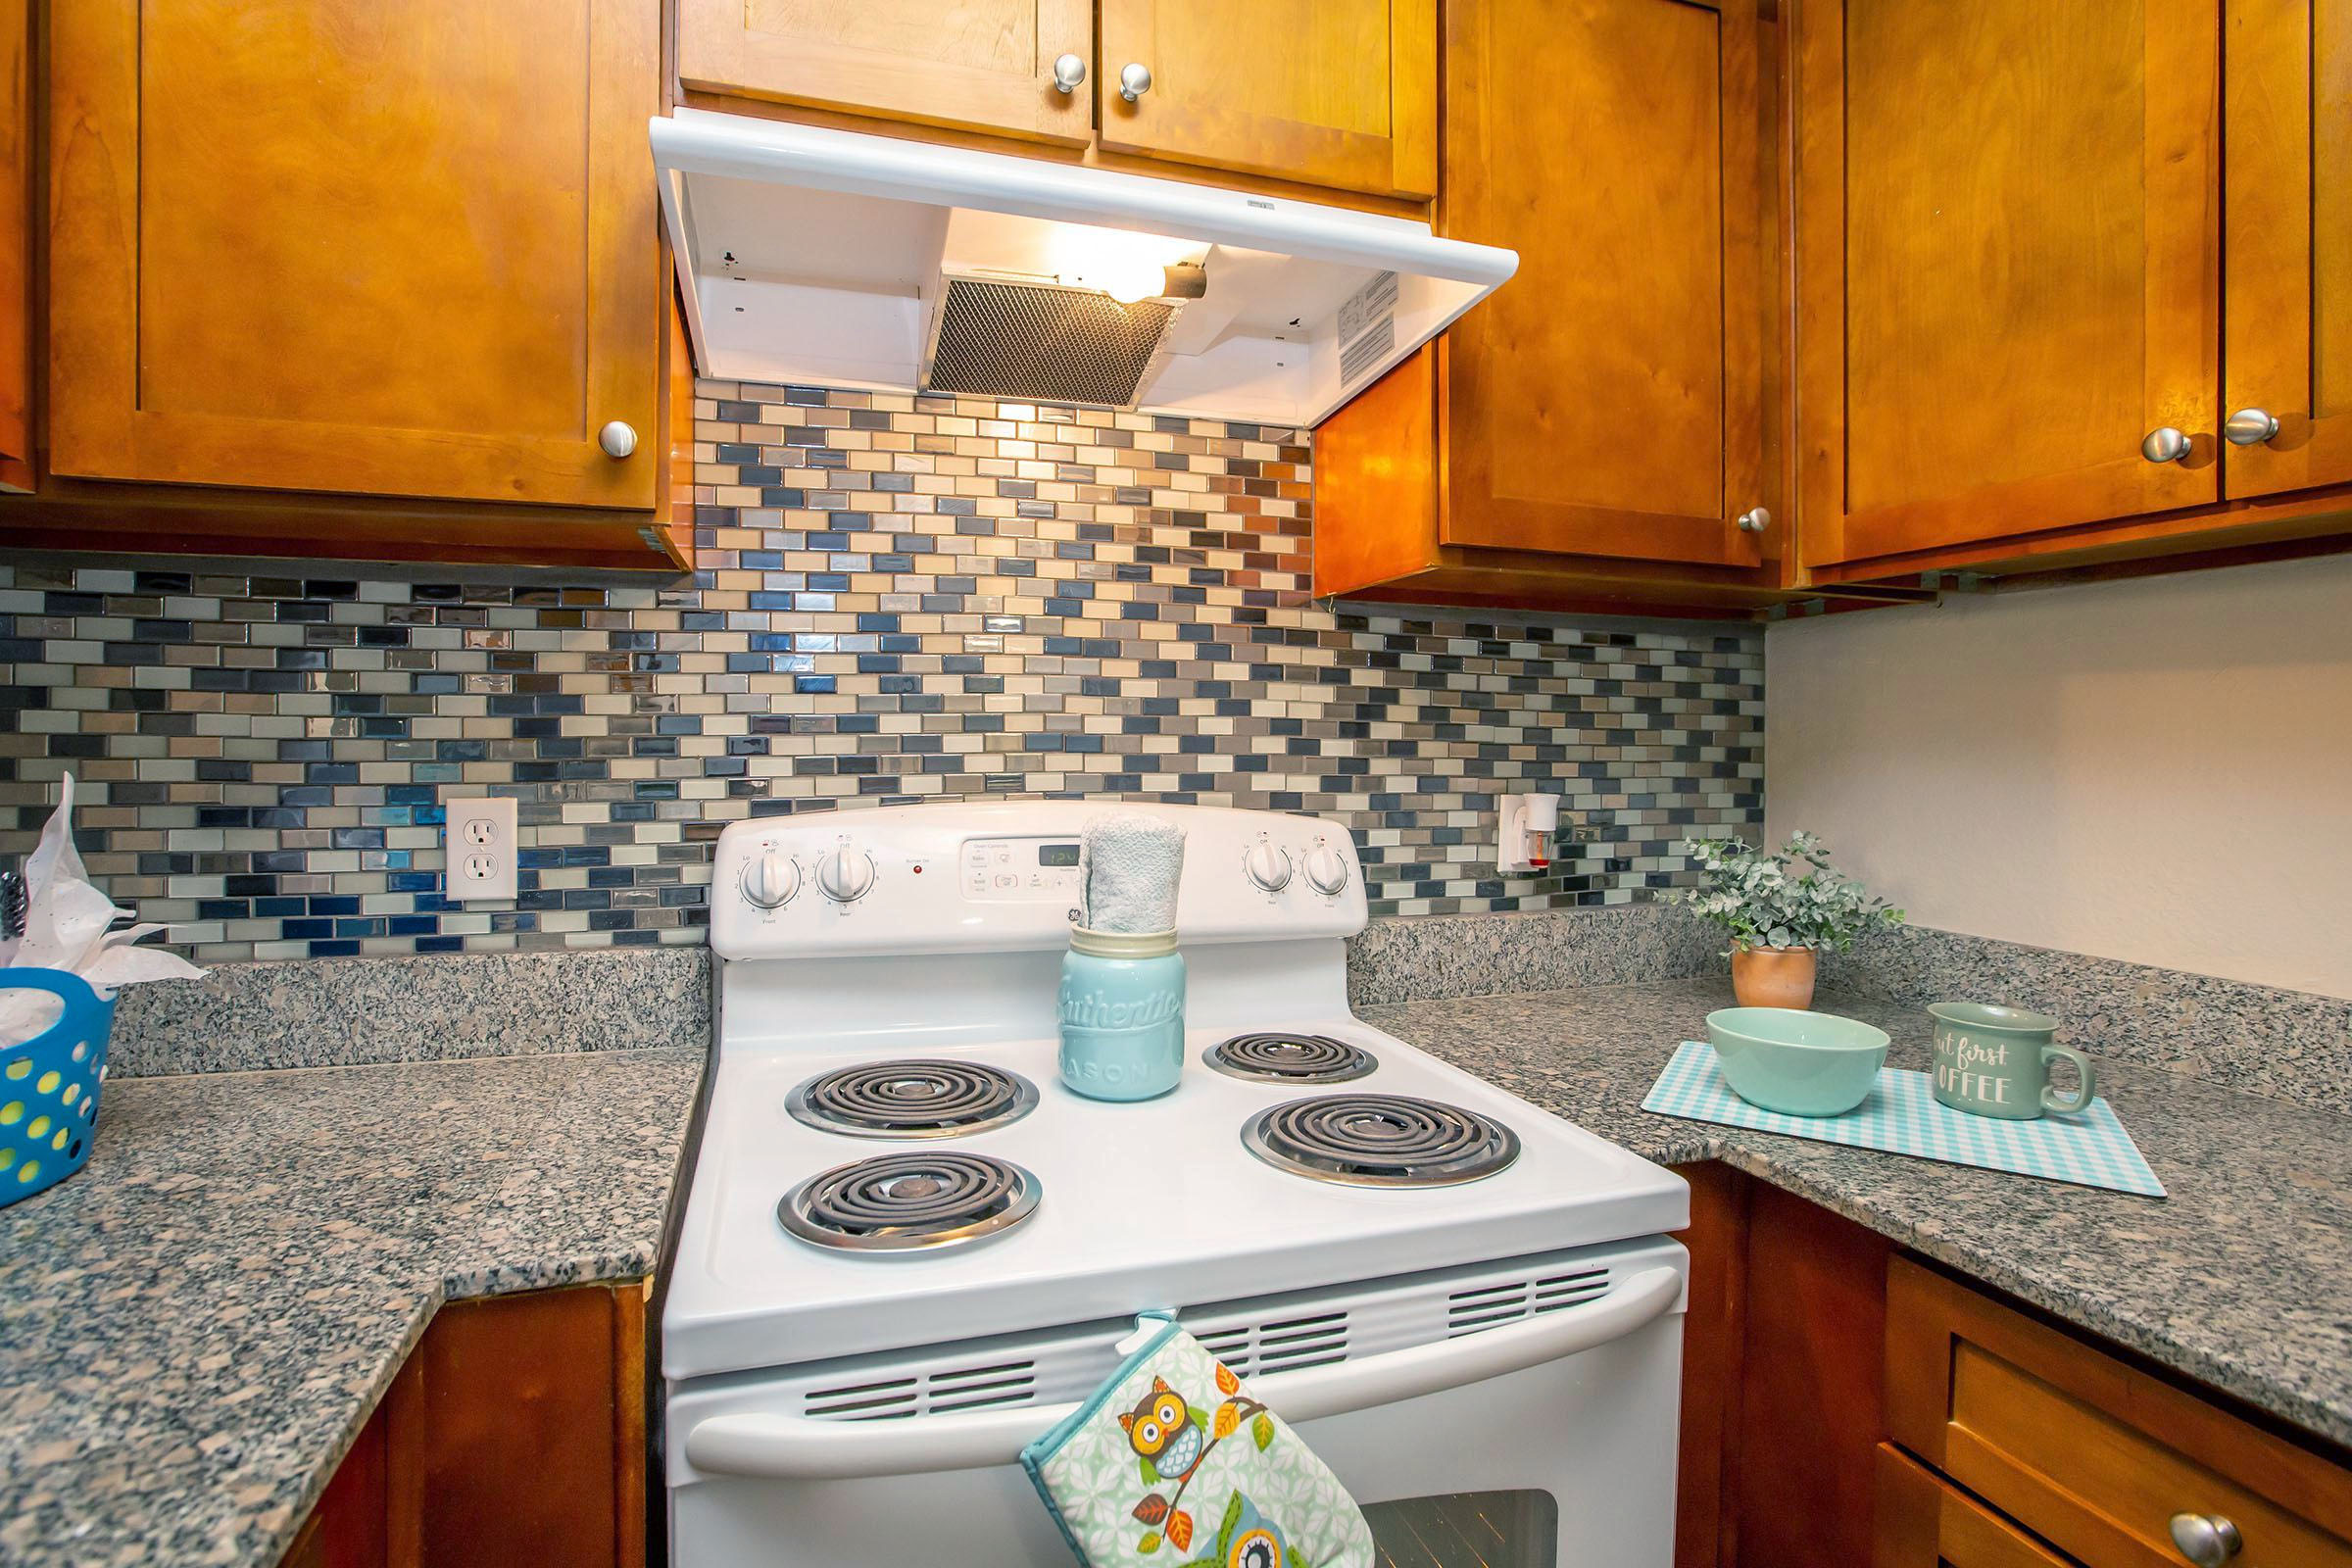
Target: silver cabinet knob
[2165, 445]
[2250, 427]
[617, 438]
[2206, 1539]
[1754, 520]
[1068, 71]
[1135, 81]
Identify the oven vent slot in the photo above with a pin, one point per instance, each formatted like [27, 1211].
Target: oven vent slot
[1489, 1307]
[864, 1402]
[1253, 1349]
[957, 1387]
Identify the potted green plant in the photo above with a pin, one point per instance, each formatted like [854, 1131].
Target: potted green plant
[1780, 911]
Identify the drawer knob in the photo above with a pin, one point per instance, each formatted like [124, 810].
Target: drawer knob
[617, 439]
[1135, 81]
[1068, 71]
[1754, 520]
[2249, 427]
[2165, 445]
[2206, 1539]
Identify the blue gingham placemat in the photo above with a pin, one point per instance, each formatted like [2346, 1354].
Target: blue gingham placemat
[1903, 1117]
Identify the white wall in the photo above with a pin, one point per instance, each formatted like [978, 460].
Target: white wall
[2158, 770]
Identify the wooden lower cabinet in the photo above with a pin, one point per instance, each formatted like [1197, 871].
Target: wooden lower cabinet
[1926, 1523]
[512, 1438]
[2087, 1450]
[1846, 1403]
[1783, 1391]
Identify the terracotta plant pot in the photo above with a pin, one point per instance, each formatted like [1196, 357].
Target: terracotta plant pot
[1772, 977]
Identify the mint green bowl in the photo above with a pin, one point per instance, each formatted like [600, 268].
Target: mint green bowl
[1799, 1064]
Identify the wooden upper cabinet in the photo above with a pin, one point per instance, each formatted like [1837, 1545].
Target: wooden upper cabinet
[987, 65]
[1590, 435]
[337, 245]
[2008, 265]
[2288, 210]
[1327, 92]
[15, 245]
[1607, 399]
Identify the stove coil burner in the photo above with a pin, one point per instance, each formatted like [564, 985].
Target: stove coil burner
[899, 1202]
[1285, 1059]
[912, 1098]
[1380, 1141]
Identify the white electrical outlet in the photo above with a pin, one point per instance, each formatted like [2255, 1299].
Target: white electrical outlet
[480, 835]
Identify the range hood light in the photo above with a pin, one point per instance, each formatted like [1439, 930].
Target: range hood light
[1127, 279]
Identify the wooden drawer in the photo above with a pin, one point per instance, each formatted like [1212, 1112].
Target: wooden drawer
[2089, 1452]
[1921, 1523]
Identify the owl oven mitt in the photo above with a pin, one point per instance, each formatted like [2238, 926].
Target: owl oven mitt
[1171, 1464]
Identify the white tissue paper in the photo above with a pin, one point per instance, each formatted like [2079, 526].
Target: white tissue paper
[68, 924]
[1130, 864]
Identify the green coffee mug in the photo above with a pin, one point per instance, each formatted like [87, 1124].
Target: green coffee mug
[1995, 1062]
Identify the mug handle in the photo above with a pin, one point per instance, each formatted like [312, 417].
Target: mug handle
[2050, 1097]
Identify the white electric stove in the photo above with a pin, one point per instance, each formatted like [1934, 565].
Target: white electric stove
[907, 1247]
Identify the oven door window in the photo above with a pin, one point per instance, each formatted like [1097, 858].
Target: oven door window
[1466, 1530]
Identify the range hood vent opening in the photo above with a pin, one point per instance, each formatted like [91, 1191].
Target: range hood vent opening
[816, 257]
[1043, 343]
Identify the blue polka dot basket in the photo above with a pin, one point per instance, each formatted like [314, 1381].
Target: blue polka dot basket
[49, 1085]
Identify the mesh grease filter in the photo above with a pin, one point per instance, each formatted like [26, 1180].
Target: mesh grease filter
[1037, 343]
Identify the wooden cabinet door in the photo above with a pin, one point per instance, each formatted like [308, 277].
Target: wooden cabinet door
[983, 64]
[2007, 266]
[339, 245]
[513, 1435]
[2287, 201]
[15, 246]
[1331, 92]
[1608, 400]
[1924, 1524]
[2091, 1454]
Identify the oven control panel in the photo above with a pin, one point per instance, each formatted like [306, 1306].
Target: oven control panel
[1006, 876]
[1039, 870]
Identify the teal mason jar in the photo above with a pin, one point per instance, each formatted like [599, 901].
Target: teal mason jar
[1122, 1015]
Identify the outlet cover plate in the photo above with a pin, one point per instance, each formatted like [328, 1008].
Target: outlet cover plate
[480, 836]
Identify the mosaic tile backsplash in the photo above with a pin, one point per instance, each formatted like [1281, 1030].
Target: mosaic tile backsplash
[897, 599]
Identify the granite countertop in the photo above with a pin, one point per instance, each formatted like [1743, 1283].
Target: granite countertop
[193, 1329]
[2242, 1278]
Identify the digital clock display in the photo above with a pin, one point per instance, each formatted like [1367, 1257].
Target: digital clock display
[1058, 854]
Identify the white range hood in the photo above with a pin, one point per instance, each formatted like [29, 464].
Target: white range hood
[829, 258]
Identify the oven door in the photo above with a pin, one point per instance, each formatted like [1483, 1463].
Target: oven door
[1517, 1415]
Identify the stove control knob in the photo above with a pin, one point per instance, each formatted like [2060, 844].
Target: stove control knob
[1268, 866]
[771, 881]
[1327, 870]
[846, 875]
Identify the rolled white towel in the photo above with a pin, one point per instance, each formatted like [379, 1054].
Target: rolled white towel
[1129, 866]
